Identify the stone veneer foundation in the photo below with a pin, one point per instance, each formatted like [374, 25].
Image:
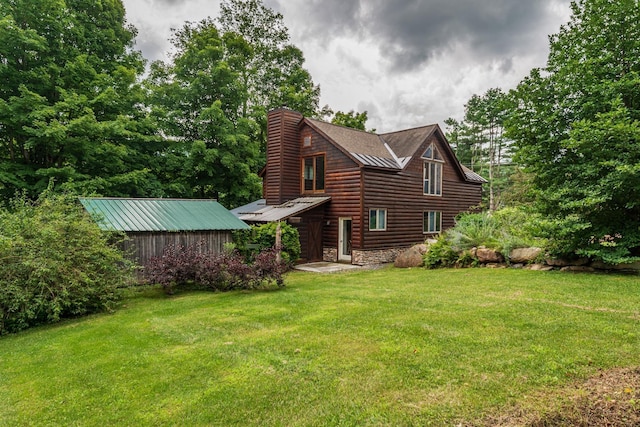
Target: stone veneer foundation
[364, 257]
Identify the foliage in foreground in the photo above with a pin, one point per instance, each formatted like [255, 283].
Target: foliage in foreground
[194, 268]
[577, 131]
[55, 262]
[502, 231]
[262, 237]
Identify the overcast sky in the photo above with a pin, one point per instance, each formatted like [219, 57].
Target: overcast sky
[407, 62]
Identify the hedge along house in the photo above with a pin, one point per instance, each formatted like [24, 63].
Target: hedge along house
[153, 224]
[360, 197]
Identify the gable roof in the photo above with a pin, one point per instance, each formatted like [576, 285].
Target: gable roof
[125, 214]
[391, 150]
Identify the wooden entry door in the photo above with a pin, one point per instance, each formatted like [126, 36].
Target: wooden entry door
[314, 240]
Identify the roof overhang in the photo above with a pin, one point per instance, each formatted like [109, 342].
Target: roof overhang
[274, 213]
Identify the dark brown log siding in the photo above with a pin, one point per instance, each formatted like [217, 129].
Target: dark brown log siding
[281, 179]
[401, 193]
[342, 183]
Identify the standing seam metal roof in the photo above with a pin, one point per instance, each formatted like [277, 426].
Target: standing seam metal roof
[123, 214]
[272, 213]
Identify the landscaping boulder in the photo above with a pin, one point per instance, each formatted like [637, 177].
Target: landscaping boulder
[539, 267]
[423, 248]
[485, 255]
[412, 257]
[566, 262]
[524, 255]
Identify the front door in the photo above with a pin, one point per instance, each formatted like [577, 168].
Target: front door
[344, 239]
[314, 240]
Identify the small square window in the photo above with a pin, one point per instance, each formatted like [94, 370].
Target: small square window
[306, 141]
[377, 219]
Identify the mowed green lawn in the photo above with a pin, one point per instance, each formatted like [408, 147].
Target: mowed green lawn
[384, 347]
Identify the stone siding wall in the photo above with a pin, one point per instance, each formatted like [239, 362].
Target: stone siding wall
[375, 257]
[330, 254]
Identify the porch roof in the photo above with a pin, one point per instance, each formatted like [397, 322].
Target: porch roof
[262, 213]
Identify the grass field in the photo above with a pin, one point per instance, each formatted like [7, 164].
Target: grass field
[382, 347]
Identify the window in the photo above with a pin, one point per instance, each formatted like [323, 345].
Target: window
[432, 172]
[433, 178]
[306, 141]
[377, 219]
[431, 222]
[313, 173]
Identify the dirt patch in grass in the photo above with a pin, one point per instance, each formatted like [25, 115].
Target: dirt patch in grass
[610, 398]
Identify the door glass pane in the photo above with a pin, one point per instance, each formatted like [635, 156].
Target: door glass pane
[320, 173]
[308, 174]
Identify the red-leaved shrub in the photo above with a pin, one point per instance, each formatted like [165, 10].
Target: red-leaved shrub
[181, 266]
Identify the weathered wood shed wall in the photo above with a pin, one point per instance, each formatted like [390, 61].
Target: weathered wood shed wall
[153, 224]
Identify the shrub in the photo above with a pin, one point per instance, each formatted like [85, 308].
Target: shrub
[181, 267]
[502, 231]
[263, 237]
[55, 262]
[177, 266]
[440, 254]
[473, 230]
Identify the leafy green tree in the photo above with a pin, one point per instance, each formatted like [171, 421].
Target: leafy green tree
[577, 130]
[273, 74]
[198, 101]
[351, 119]
[71, 108]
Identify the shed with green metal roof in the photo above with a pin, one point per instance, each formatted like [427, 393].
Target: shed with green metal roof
[153, 224]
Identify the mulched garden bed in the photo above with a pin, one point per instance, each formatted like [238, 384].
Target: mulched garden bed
[611, 398]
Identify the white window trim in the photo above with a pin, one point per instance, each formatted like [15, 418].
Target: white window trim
[426, 168]
[427, 214]
[377, 219]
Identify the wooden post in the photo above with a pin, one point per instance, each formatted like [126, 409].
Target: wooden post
[278, 243]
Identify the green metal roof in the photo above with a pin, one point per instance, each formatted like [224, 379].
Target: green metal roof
[161, 214]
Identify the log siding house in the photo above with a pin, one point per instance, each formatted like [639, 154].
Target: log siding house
[360, 197]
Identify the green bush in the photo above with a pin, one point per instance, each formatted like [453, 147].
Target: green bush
[55, 263]
[502, 231]
[262, 237]
[440, 254]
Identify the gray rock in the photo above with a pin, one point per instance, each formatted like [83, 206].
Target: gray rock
[409, 258]
[485, 255]
[567, 262]
[524, 255]
[539, 267]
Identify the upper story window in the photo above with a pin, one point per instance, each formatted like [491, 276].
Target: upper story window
[313, 174]
[432, 171]
[377, 219]
[306, 141]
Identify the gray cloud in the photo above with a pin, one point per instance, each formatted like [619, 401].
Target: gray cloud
[411, 33]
